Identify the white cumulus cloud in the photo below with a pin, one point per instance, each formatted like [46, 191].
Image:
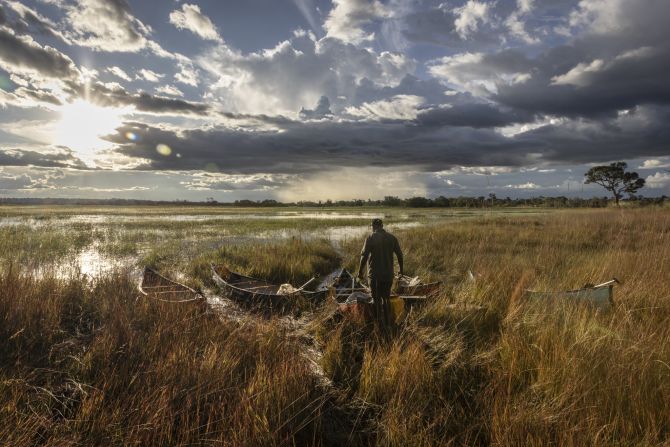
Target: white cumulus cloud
[190, 17]
[658, 180]
[348, 17]
[401, 107]
[469, 16]
[119, 73]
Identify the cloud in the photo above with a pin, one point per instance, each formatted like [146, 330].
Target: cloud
[210, 181]
[119, 73]
[469, 16]
[399, 107]
[106, 25]
[348, 17]
[116, 96]
[482, 74]
[322, 110]
[515, 22]
[296, 72]
[187, 74]
[15, 182]
[527, 185]
[654, 163]
[471, 115]
[658, 180]
[169, 90]
[579, 75]
[191, 18]
[432, 142]
[22, 54]
[29, 21]
[149, 75]
[60, 157]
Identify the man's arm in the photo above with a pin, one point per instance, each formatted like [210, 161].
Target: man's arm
[365, 254]
[398, 253]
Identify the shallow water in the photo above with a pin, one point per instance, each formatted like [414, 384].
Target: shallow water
[120, 219]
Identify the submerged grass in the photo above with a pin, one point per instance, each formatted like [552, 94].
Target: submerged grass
[87, 362]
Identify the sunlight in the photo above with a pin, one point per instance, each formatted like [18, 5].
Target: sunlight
[82, 124]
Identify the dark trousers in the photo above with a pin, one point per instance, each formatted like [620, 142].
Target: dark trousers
[381, 294]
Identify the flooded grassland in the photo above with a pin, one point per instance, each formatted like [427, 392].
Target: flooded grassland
[67, 240]
[84, 360]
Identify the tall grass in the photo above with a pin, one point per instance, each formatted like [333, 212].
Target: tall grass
[99, 365]
[87, 362]
[526, 373]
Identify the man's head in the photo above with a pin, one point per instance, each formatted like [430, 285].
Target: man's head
[377, 224]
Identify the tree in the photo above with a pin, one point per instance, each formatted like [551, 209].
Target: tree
[615, 179]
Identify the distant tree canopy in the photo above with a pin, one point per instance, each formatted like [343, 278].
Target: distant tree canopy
[415, 202]
[615, 179]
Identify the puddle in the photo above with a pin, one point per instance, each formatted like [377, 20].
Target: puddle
[88, 262]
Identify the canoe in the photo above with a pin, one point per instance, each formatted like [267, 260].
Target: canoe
[354, 298]
[600, 296]
[407, 285]
[248, 290]
[156, 286]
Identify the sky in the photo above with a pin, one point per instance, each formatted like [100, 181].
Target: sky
[330, 99]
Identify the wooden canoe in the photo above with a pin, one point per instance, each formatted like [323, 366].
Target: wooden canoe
[248, 290]
[600, 296]
[156, 286]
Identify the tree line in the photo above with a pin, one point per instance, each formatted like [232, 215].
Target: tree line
[390, 201]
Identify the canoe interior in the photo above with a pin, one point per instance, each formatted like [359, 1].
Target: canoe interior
[161, 288]
[254, 286]
[342, 285]
[261, 294]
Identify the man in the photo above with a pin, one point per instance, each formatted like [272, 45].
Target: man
[378, 253]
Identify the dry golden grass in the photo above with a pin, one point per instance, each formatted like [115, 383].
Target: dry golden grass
[521, 373]
[88, 363]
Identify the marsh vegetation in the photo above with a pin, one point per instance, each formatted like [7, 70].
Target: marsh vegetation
[85, 361]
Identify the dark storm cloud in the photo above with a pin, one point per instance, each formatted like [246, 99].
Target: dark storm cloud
[429, 89]
[276, 120]
[436, 140]
[118, 96]
[617, 65]
[471, 115]
[642, 132]
[64, 158]
[23, 53]
[571, 81]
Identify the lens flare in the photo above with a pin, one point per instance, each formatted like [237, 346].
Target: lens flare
[132, 136]
[163, 149]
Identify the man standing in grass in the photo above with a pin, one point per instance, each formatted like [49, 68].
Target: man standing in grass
[378, 253]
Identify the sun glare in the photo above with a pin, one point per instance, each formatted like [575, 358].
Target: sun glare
[82, 124]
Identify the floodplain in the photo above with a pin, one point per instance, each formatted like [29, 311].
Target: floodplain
[85, 360]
